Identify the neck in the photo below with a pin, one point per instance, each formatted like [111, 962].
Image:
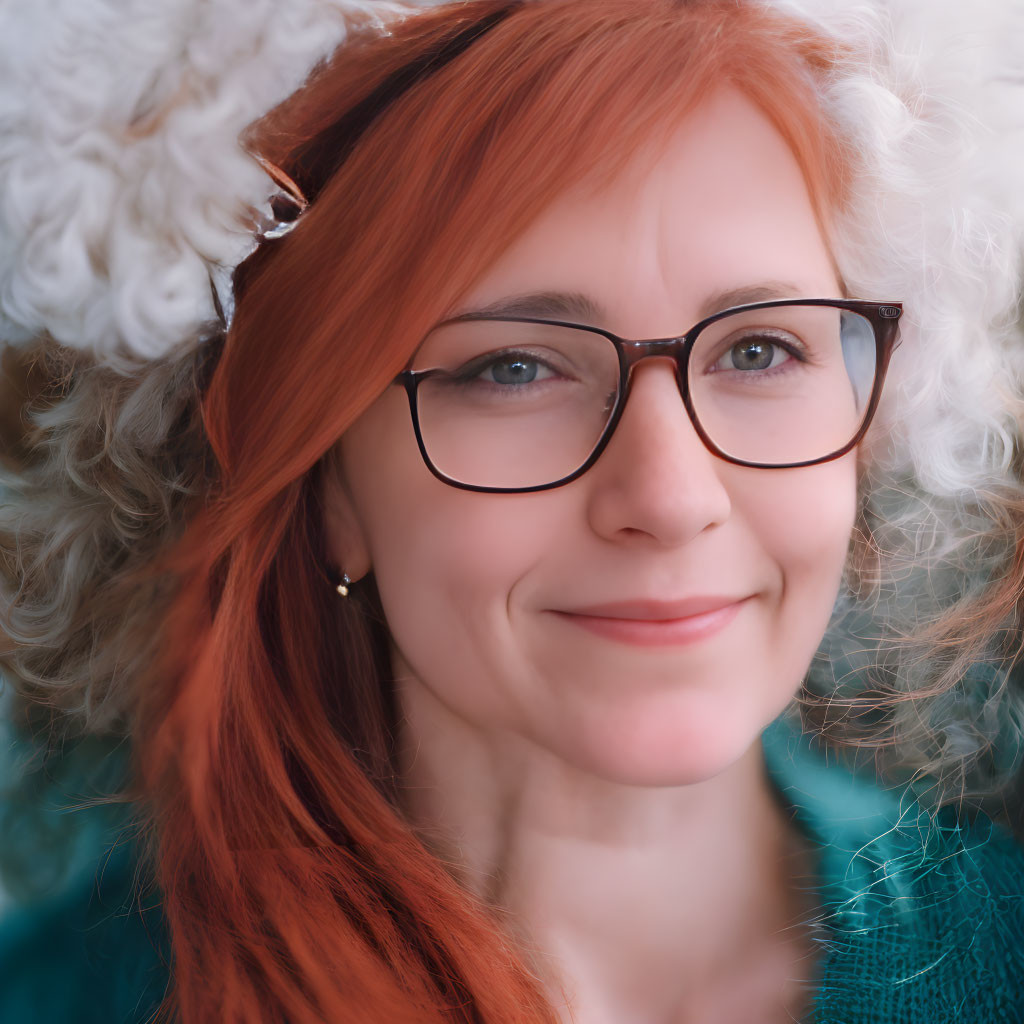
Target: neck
[634, 899]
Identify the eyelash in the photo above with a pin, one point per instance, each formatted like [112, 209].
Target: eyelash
[785, 342]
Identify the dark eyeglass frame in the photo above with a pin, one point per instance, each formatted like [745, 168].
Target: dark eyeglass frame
[884, 318]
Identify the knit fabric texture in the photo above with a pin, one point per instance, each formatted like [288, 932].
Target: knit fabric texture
[923, 917]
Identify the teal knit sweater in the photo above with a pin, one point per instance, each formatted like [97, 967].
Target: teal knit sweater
[924, 918]
[923, 921]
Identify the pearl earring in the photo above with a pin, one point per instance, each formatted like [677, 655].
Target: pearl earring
[342, 587]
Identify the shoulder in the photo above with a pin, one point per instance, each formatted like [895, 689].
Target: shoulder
[76, 942]
[924, 915]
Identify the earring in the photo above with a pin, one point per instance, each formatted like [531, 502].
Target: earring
[342, 587]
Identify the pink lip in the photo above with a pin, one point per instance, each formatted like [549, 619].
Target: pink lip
[656, 623]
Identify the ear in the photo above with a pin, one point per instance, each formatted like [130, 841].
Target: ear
[345, 538]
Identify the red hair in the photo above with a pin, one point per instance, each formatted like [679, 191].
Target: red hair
[293, 889]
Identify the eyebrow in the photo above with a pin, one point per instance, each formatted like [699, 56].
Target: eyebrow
[577, 306]
[543, 305]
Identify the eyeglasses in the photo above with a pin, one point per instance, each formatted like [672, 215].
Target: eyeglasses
[515, 404]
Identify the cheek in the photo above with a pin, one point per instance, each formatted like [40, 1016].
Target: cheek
[803, 522]
[816, 513]
[445, 561]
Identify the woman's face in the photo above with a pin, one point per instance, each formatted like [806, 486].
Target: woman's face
[487, 595]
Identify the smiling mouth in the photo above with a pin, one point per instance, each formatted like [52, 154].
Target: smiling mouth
[653, 624]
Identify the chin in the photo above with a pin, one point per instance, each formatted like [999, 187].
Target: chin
[695, 739]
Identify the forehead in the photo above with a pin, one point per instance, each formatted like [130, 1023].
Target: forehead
[718, 206]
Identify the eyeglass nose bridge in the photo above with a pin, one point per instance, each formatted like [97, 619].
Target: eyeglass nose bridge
[677, 349]
[632, 353]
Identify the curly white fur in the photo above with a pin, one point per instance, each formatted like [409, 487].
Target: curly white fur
[121, 179]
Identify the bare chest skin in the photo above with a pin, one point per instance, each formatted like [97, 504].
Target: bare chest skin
[777, 989]
[771, 981]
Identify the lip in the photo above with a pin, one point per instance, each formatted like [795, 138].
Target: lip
[657, 623]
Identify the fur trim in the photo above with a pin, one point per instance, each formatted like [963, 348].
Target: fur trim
[122, 185]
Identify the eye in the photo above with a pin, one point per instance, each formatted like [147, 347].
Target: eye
[755, 352]
[515, 368]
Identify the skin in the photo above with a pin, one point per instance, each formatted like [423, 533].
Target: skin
[611, 797]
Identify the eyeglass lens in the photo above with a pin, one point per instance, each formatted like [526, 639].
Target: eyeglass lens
[518, 404]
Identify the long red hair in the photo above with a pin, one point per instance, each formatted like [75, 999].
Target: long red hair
[293, 889]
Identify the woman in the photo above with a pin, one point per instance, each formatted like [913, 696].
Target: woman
[452, 585]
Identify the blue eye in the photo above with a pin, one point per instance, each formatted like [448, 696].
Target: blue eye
[513, 370]
[754, 352]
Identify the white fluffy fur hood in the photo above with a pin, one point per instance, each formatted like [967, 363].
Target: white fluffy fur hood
[123, 188]
[122, 184]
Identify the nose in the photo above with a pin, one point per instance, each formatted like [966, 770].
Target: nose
[656, 482]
